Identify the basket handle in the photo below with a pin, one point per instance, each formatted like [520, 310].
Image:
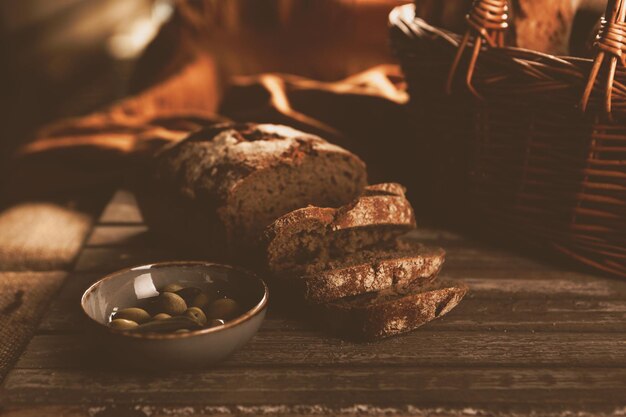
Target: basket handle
[610, 44]
[487, 21]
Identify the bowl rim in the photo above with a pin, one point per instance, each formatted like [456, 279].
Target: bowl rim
[255, 310]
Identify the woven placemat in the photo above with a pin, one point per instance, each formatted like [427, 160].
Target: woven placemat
[39, 242]
[24, 297]
[41, 236]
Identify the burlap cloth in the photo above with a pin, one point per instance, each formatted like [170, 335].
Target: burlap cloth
[179, 89]
[24, 297]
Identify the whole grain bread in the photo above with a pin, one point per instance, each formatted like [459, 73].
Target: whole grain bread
[365, 271]
[318, 234]
[391, 311]
[219, 188]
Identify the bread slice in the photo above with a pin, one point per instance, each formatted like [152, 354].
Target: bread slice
[317, 234]
[385, 188]
[369, 270]
[391, 311]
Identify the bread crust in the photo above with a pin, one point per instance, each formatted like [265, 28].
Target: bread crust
[385, 188]
[380, 205]
[393, 311]
[307, 218]
[370, 210]
[215, 160]
[373, 270]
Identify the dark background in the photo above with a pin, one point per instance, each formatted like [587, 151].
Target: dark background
[57, 60]
[69, 57]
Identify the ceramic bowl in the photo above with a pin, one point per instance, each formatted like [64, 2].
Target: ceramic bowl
[174, 350]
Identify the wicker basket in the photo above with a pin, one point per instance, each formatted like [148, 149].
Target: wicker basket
[529, 145]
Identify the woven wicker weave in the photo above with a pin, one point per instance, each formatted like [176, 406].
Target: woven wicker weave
[508, 133]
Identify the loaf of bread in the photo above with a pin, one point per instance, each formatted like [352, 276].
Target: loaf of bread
[218, 189]
[391, 311]
[313, 235]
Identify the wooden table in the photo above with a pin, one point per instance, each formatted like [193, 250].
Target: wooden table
[530, 338]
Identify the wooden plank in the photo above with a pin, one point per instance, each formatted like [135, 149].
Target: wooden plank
[493, 285]
[528, 336]
[107, 260]
[466, 259]
[64, 312]
[544, 302]
[283, 410]
[524, 274]
[485, 258]
[121, 209]
[473, 314]
[134, 234]
[115, 235]
[73, 287]
[538, 286]
[330, 386]
[462, 253]
[137, 235]
[467, 253]
[431, 234]
[424, 348]
[482, 285]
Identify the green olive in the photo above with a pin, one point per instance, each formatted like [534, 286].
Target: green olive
[168, 325]
[216, 322]
[161, 316]
[171, 304]
[123, 324]
[135, 314]
[225, 308]
[196, 314]
[202, 300]
[172, 288]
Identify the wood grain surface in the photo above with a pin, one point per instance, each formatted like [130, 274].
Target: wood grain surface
[531, 338]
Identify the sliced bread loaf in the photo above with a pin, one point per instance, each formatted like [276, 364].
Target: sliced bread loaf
[220, 187]
[391, 311]
[318, 234]
[365, 271]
